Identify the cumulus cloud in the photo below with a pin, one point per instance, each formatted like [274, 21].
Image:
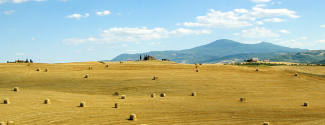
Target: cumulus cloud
[8, 12]
[258, 32]
[322, 26]
[274, 20]
[261, 1]
[19, 1]
[103, 13]
[321, 41]
[239, 18]
[126, 34]
[78, 16]
[284, 31]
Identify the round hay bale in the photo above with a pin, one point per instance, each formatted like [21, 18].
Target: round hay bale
[266, 123]
[296, 74]
[90, 68]
[86, 76]
[47, 101]
[242, 99]
[123, 97]
[107, 65]
[15, 89]
[38, 69]
[256, 70]
[163, 95]
[305, 104]
[116, 94]
[197, 70]
[10, 123]
[46, 70]
[154, 78]
[116, 105]
[82, 104]
[193, 94]
[153, 95]
[6, 101]
[3, 123]
[133, 117]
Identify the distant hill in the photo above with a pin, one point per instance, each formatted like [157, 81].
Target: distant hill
[311, 56]
[216, 51]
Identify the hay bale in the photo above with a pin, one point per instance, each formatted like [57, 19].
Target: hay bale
[266, 123]
[3, 123]
[163, 95]
[38, 69]
[133, 117]
[296, 74]
[15, 89]
[197, 70]
[46, 70]
[10, 123]
[154, 78]
[6, 101]
[256, 70]
[116, 105]
[153, 95]
[123, 97]
[90, 68]
[116, 94]
[82, 104]
[193, 94]
[86, 76]
[242, 99]
[107, 65]
[305, 104]
[47, 101]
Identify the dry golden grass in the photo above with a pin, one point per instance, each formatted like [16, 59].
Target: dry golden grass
[275, 95]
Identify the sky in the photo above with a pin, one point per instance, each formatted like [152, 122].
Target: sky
[55, 31]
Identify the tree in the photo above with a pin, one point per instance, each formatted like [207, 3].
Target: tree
[31, 61]
[27, 61]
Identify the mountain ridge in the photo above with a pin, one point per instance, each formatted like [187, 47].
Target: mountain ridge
[212, 51]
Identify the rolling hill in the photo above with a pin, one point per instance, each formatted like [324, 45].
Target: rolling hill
[216, 51]
[311, 56]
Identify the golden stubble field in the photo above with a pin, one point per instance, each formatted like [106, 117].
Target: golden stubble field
[272, 95]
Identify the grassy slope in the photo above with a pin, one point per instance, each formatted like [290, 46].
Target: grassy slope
[273, 94]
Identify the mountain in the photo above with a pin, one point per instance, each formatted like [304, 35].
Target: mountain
[216, 51]
[311, 56]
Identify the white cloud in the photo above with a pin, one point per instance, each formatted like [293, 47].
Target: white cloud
[321, 41]
[78, 16]
[274, 20]
[19, 1]
[303, 38]
[258, 32]
[261, 1]
[8, 12]
[284, 31]
[103, 13]
[135, 35]
[322, 26]
[239, 18]
[219, 19]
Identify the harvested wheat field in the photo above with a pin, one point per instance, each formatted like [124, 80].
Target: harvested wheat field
[224, 94]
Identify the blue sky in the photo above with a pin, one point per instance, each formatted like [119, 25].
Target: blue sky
[90, 30]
